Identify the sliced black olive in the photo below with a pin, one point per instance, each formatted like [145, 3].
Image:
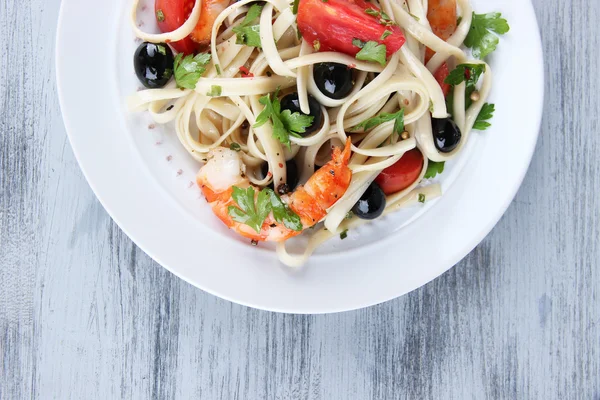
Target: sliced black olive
[334, 80]
[153, 64]
[371, 204]
[446, 134]
[291, 102]
[292, 177]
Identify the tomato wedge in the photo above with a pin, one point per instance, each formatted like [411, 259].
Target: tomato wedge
[442, 18]
[440, 75]
[170, 15]
[402, 174]
[335, 23]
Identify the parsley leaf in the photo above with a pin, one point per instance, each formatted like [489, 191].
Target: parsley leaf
[189, 69]
[465, 72]
[421, 198]
[160, 15]
[434, 168]
[249, 34]
[486, 113]
[249, 213]
[344, 234]
[296, 123]
[480, 38]
[254, 214]
[385, 34]
[282, 212]
[235, 146]
[285, 123]
[295, 7]
[371, 51]
[397, 117]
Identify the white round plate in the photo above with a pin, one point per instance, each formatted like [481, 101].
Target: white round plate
[144, 178]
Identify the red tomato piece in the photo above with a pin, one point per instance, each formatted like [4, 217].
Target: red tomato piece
[440, 75]
[170, 15]
[335, 23]
[402, 174]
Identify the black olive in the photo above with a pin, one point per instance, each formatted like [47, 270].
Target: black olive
[333, 80]
[446, 134]
[153, 64]
[371, 203]
[292, 177]
[291, 102]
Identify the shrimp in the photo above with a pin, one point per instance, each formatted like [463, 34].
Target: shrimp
[210, 10]
[225, 169]
[442, 18]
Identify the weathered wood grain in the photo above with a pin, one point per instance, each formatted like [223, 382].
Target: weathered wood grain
[84, 314]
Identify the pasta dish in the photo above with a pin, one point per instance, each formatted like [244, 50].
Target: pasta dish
[316, 116]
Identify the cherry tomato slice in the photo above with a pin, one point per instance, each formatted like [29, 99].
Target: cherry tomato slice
[170, 15]
[335, 23]
[402, 174]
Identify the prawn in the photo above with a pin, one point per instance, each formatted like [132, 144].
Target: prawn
[310, 202]
[442, 17]
[210, 11]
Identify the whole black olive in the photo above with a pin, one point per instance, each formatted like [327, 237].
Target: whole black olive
[446, 134]
[291, 102]
[153, 64]
[333, 80]
[292, 177]
[371, 204]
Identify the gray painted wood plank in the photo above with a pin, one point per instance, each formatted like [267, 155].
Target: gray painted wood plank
[85, 314]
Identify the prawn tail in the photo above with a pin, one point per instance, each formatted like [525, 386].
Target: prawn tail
[343, 156]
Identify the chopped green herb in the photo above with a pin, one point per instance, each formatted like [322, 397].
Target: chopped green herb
[282, 212]
[253, 213]
[295, 6]
[434, 168]
[349, 214]
[385, 34]
[316, 45]
[189, 69]
[160, 15]
[480, 38]
[371, 51]
[344, 234]
[486, 113]
[384, 19]
[250, 213]
[161, 49]
[470, 73]
[284, 123]
[218, 68]
[246, 33]
[459, 20]
[465, 72]
[397, 117]
[421, 198]
[215, 91]
[358, 43]
[235, 147]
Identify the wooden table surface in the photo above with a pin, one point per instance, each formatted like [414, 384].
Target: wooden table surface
[84, 314]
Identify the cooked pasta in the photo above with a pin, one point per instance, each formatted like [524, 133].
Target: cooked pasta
[387, 112]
